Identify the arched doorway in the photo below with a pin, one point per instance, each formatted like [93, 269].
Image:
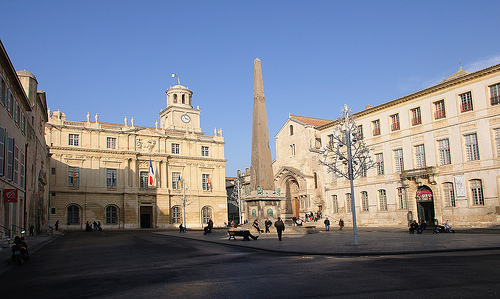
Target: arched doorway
[425, 205]
[292, 197]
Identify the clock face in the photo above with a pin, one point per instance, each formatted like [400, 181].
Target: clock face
[185, 118]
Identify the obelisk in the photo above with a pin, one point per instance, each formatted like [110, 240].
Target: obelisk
[261, 171]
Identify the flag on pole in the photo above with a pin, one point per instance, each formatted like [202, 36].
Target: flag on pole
[179, 182]
[151, 173]
[209, 184]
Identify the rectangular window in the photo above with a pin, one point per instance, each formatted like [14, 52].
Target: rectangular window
[335, 204]
[471, 147]
[477, 192]
[379, 160]
[144, 179]
[330, 141]
[348, 205]
[420, 156]
[3, 135]
[439, 110]
[111, 142]
[398, 160]
[362, 171]
[22, 123]
[497, 142]
[176, 180]
[359, 132]
[395, 122]
[2, 90]
[73, 139]
[403, 201]
[376, 127]
[364, 201]
[16, 164]
[495, 94]
[73, 176]
[416, 118]
[204, 151]
[110, 177]
[382, 197]
[22, 171]
[444, 151]
[15, 110]
[53, 170]
[466, 102]
[449, 195]
[8, 102]
[10, 159]
[205, 182]
[176, 148]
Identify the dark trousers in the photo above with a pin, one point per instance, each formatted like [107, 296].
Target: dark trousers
[279, 233]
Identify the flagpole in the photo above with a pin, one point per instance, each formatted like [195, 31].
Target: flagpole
[184, 201]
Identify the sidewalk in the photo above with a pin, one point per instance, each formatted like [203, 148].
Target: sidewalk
[371, 241]
[34, 243]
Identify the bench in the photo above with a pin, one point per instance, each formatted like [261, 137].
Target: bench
[240, 233]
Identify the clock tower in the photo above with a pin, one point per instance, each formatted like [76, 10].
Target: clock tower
[179, 113]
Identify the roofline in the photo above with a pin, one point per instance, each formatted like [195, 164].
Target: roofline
[433, 89]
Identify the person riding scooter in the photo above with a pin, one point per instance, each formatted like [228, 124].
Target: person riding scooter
[21, 247]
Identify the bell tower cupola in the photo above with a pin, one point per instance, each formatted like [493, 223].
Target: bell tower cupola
[179, 113]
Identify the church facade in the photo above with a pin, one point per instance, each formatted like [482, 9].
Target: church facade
[436, 154]
[129, 176]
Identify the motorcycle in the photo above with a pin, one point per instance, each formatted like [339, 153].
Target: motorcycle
[20, 251]
[445, 228]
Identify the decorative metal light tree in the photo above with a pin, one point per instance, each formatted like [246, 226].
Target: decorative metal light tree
[235, 199]
[358, 158]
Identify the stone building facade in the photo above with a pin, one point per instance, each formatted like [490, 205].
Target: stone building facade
[295, 170]
[23, 152]
[101, 171]
[437, 154]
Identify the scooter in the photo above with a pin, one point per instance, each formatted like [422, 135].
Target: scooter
[20, 251]
[445, 228]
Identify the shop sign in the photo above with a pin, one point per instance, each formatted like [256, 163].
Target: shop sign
[10, 195]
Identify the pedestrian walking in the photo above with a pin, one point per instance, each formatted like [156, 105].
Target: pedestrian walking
[57, 225]
[280, 227]
[341, 224]
[327, 224]
[268, 224]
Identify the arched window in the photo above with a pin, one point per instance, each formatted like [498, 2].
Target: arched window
[382, 197]
[348, 204]
[176, 214]
[476, 188]
[111, 215]
[206, 214]
[175, 98]
[270, 213]
[364, 201]
[449, 195]
[183, 99]
[73, 215]
[291, 130]
[335, 204]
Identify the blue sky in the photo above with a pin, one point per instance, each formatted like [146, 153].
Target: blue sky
[115, 58]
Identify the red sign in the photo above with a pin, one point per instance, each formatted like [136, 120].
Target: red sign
[10, 195]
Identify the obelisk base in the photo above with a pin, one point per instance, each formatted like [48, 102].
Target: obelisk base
[262, 206]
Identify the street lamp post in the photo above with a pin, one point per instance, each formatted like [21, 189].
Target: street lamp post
[358, 159]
